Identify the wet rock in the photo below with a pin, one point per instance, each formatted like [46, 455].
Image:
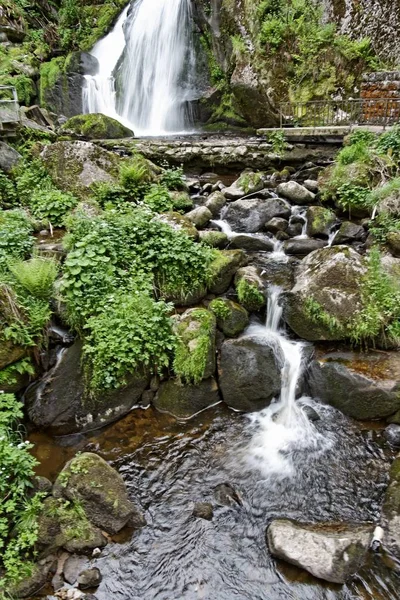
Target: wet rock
[215, 239]
[250, 372]
[330, 551]
[361, 385]
[95, 127]
[250, 215]
[10, 354]
[226, 495]
[302, 246]
[329, 279]
[224, 268]
[199, 216]
[392, 434]
[215, 202]
[42, 485]
[391, 510]
[203, 510]
[393, 241]
[319, 221]
[31, 585]
[252, 242]
[247, 183]
[295, 192]
[276, 224]
[311, 185]
[73, 566]
[60, 403]
[184, 401]
[276, 272]
[349, 232]
[75, 166]
[89, 578]
[181, 200]
[8, 157]
[311, 413]
[232, 318]
[100, 489]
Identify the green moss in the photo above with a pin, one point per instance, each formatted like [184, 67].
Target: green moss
[50, 72]
[195, 343]
[215, 239]
[249, 295]
[24, 85]
[96, 126]
[221, 308]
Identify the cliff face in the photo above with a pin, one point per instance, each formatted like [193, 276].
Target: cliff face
[377, 19]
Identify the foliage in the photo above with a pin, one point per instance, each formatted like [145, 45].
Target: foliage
[249, 295]
[36, 275]
[8, 196]
[193, 345]
[158, 198]
[135, 330]
[368, 138]
[358, 151]
[9, 375]
[249, 180]
[278, 141]
[315, 311]
[18, 512]
[16, 239]
[389, 143]
[220, 308]
[350, 196]
[173, 178]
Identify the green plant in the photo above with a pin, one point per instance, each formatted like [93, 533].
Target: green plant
[8, 196]
[315, 311]
[220, 309]
[278, 141]
[18, 512]
[193, 345]
[364, 136]
[389, 143]
[173, 178]
[350, 196]
[357, 151]
[9, 375]
[249, 295]
[52, 205]
[37, 275]
[16, 239]
[158, 198]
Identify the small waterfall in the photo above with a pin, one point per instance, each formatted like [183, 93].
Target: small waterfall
[149, 53]
[300, 212]
[224, 227]
[331, 237]
[283, 428]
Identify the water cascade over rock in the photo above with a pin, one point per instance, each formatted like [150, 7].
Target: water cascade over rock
[146, 68]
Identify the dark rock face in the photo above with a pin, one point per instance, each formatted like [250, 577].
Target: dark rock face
[184, 401]
[226, 495]
[349, 232]
[58, 403]
[249, 373]
[363, 386]
[319, 221]
[330, 551]
[8, 157]
[101, 491]
[279, 273]
[224, 268]
[250, 215]
[236, 319]
[252, 242]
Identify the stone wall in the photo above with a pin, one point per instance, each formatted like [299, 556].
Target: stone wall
[383, 90]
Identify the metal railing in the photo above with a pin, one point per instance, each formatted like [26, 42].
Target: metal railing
[381, 112]
[9, 105]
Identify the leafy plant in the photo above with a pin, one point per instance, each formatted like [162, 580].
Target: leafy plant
[220, 308]
[158, 198]
[16, 239]
[9, 375]
[37, 275]
[389, 143]
[278, 141]
[249, 295]
[8, 196]
[193, 345]
[52, 205]
[315, 311]
[173, 178]
[350, 196]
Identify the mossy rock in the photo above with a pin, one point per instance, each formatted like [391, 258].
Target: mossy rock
[319, 221]
[179, 223]
[250, 288]
[10, 354]
[95, 127]
[232, 318]
[393, 241]
[215, 239]
[181, 201]
[184, 401]
[223, 269]
[195, 353]
[101, 491]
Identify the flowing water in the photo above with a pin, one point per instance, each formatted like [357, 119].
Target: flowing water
[146, 68]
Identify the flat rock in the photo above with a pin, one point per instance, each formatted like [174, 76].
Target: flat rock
[250, 215]
[295, 192]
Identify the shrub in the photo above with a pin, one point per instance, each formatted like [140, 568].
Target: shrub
[350, 196]
[52, 205]
[173, 178]
[389, 143]
[8, 196]
[362, 136]
[18, 512]
[278, 141]
[220, 308]
[37, 275]
[355, 152]
[16, 239]
[158, 198]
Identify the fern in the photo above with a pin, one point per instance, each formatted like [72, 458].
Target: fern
[36, 275]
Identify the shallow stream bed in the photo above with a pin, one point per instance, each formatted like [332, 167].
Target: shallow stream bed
[170, 465]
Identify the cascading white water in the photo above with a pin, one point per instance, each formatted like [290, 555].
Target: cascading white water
[283, 428]
[224, 227]
[150, 54]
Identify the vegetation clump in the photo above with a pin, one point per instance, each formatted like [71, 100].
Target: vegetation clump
[195, 345]
[249, 295]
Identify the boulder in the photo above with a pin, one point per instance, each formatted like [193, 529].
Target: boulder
[302, 246]
[248, 183]
[250, 372]
[391, 510]
[181, 201]
[276, 272]
[312, 185]
[252, 242]
[95, 127]
[349, 232]
[215, 239]
[319, 221]
[276, 224]
[100, 489]
[361, 385]
[215, 202]
[195, 332]
[203, 510]
[392, 434]
[10, 354]
[33, 583]
[393, 242]
[74, 565]
[9, 157]
[250, 288]
[89, 578]
[250, 215]
[295, 192]
[59, 403]
[326, 294]
[232, 318]
[199, 216]
[330, 551]
[185, 401]
[223, 268]
[75, 166]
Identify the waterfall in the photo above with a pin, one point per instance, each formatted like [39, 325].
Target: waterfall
[149, 53]
[283, 428]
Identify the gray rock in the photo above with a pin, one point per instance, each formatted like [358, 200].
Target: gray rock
[361, 385]
[279, 273]
[248, 183]
[73, 566]
[32, 584]
[95, 127]
[199, 216]
[226, 495]
[215, 202]
[234, 321]
[250, 215]
[203, 510]
[59, 402]
[184, 401]
[276, 224]
[330, 551]
[319, 221]
[252, 242]
[224, 268]
[311, 185]
[89, 578]
[250, 373]
[302, 246]
[392, 434]
[349, 232]
[8, 157]
[296, 193]
[330, 279]
[100, 489]
[215, 239]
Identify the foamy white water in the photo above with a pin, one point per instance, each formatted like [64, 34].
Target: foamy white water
[283, 428]
[150, 52]
[224, 227]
